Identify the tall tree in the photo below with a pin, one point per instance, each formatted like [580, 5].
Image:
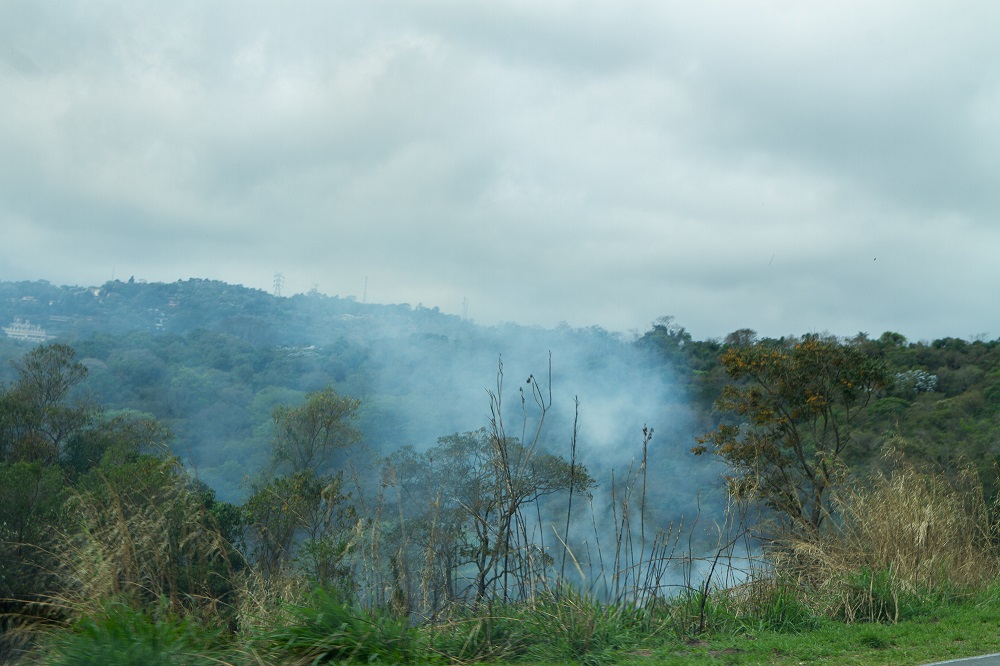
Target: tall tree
[300, 511]
[794, 410]
[36, 415]
[465, 499]
[305, 437]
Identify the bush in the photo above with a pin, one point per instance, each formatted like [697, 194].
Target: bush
[501, 633]
[573, 626]
[901, 540]
[325, 629]
[122, 636]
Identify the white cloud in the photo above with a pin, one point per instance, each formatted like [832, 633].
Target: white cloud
[780, 166]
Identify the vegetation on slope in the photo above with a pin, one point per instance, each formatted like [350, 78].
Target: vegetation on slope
[861, 514]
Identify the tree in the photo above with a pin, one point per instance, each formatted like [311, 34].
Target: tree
[32, 511]
[36, 417]
[305, 437]
[670, 340]
[116, 438]
[466, 498]
[303, 518]
[796, 407]
[743, 337]
[48, 372]
[301, 511]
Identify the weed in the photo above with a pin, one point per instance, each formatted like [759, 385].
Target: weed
[576, 627]
[778, 607]
[501, 633]
[122, 636]
[325, 629]
[869, 638]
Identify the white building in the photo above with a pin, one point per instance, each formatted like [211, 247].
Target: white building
[24, 330]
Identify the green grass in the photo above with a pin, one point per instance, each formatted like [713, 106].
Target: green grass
[782, 633]
[121, 636]
[957, 630]
[327, 630]
[565, 630]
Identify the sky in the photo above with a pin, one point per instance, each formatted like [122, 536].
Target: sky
[790, 167]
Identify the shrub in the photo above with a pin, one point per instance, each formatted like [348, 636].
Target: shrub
[901, 539]
[325, 629]
[121, 636]
[573, 626]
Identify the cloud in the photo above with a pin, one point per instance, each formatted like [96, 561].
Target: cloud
[772, 165]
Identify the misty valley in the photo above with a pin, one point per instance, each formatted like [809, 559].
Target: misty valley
[217, 474]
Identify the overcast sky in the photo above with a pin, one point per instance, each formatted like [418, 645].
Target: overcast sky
[789, 167]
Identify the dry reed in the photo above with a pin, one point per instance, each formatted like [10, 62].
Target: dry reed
[903, 534]
[142, 539]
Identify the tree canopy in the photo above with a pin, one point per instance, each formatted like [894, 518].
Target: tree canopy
[793, 412]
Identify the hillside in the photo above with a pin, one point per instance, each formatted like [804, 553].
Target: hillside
[213, 360]
[198, 442]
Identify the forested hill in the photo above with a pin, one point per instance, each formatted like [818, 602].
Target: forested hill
[255, 316]
[213, 360]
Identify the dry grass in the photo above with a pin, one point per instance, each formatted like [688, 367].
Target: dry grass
[142, 536]
[899, 537]
[262, 602]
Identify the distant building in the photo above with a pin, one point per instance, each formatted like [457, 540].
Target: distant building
[24, 330]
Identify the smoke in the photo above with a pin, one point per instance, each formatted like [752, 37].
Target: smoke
[429, 384]
[216, 359]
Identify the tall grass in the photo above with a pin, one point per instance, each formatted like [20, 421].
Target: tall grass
[118, 635]
[143, 535]
[327, 629]
[145, 564]
[902, 538]
[566, 625]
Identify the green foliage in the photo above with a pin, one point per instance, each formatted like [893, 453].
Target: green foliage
[889, 409]
[874, 596]
[797, 408]
[306, 517]
[873, 639]
[768, 603]
[142, 534]
[36, 417]
[118, 635]
[697, 611]
[303, 513]
[573, 626]
[563, 626]
[47, 373]
[117, 438]
[469, 634]
[305, 437]
[325, 629]
[32, 509]
[276, 512]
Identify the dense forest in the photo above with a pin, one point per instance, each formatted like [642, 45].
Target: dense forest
[404, 460]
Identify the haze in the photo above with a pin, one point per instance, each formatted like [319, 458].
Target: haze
[787, 167]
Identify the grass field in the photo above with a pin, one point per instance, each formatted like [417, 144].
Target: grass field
[955, 631]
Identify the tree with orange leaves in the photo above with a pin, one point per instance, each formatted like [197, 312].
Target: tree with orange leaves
[795, 406]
